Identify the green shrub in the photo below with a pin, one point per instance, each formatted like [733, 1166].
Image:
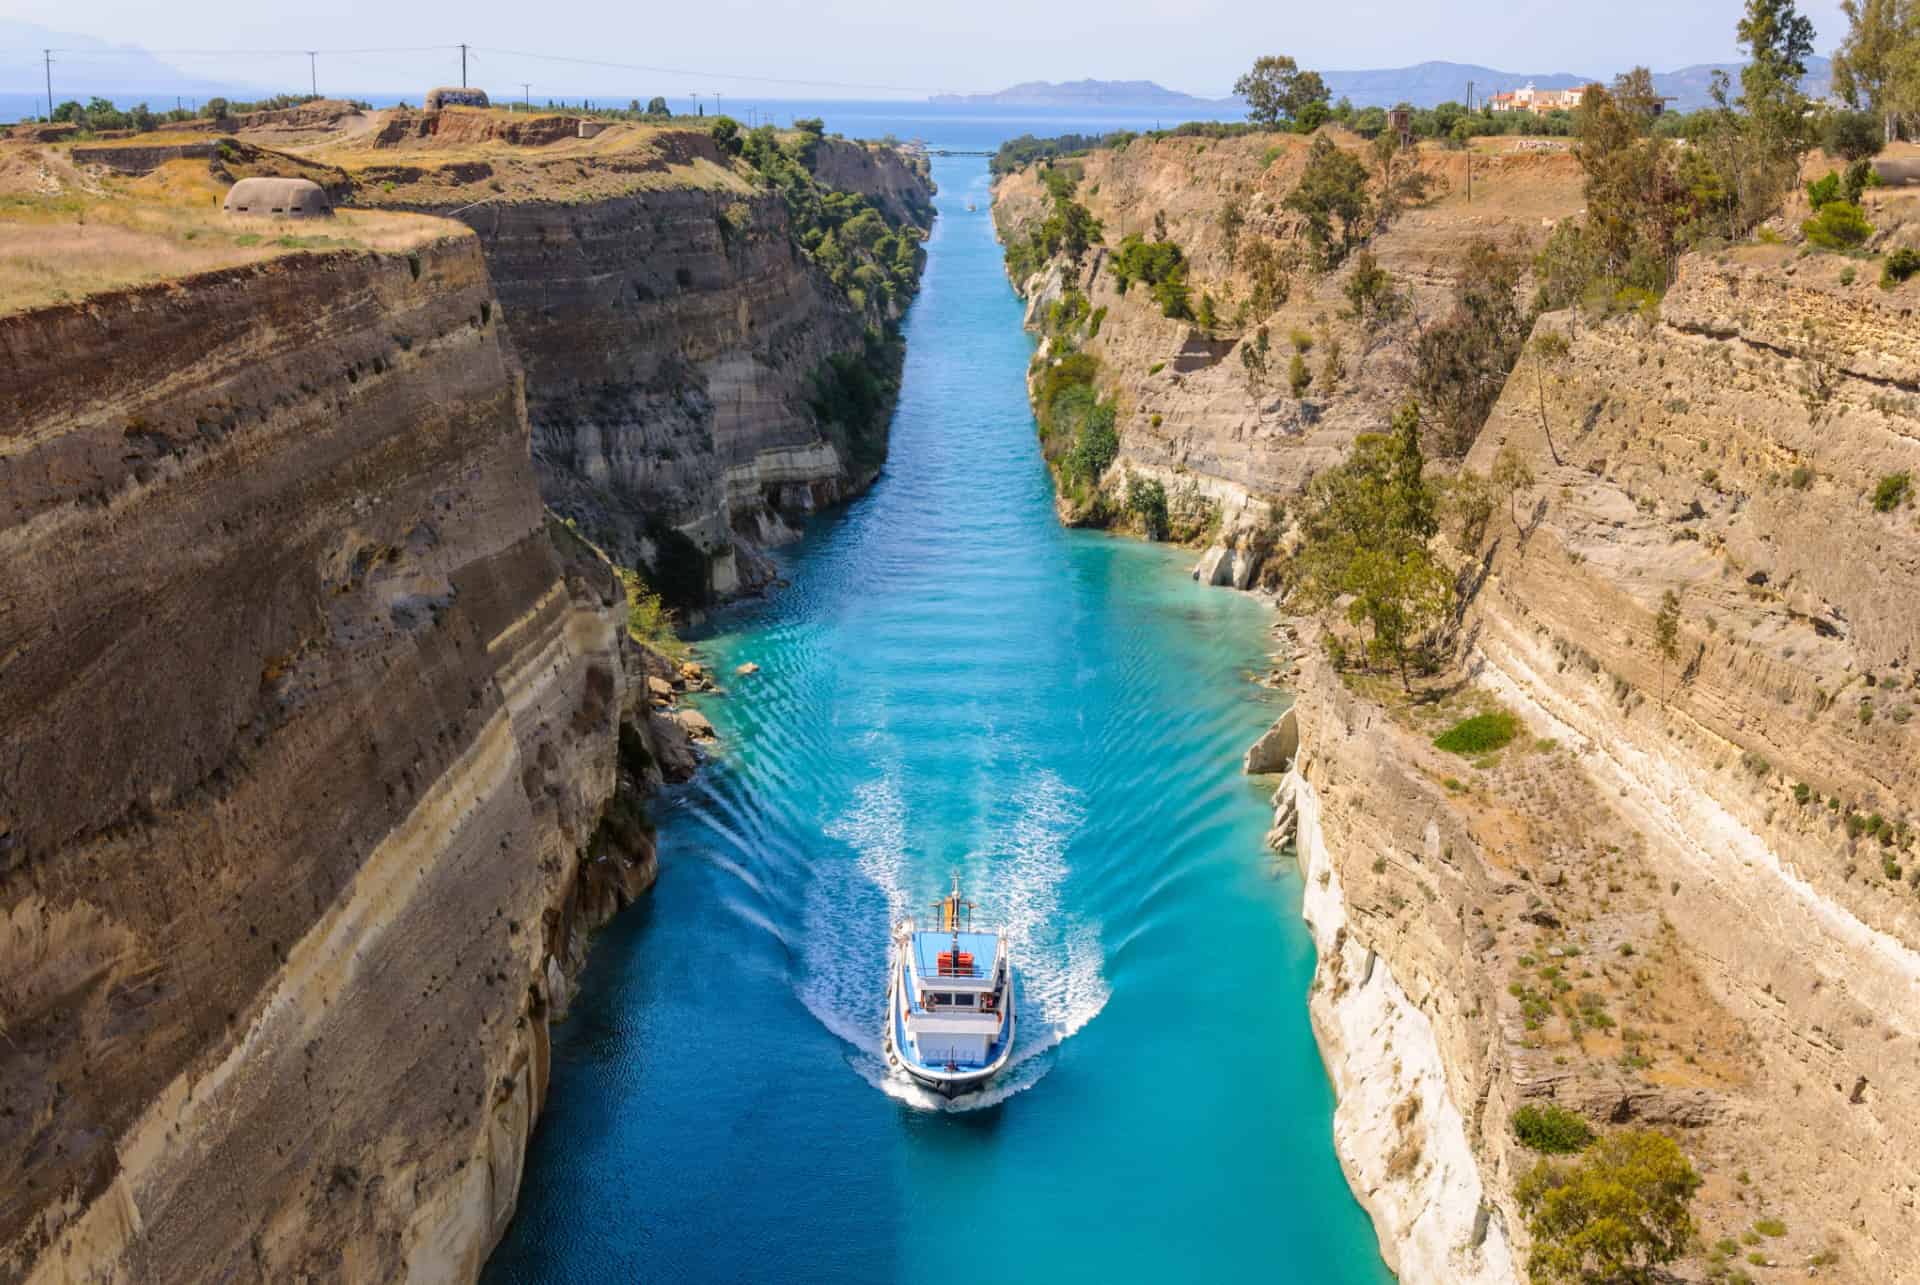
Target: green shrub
[1838, 226]
[1481, 734]
[1147, 502]
[1900, 265]
[1299, 378]
[1770, 1227]
[1616, 1214]
[1160, 267]
[1552, 1129]
[1891, 492]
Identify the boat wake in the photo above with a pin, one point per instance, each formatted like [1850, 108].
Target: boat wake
[1057, 956]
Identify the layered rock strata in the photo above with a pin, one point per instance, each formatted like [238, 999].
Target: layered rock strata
[311, 728]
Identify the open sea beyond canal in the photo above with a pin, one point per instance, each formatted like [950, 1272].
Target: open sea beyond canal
[953, 682]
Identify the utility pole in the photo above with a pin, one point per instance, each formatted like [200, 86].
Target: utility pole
[313, 71]
[526, 95]
[717, 111]
[1469, 142]
[49, 57]
[463, 65]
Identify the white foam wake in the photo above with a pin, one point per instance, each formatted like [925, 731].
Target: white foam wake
[1019, 873]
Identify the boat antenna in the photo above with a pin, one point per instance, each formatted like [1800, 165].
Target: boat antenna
[953, 919]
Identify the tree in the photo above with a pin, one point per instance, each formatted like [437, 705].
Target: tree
[657, 106]
[726, 133]
[1512, 474]
[1616, 1215]
[1635, 201]
[1550, 348]
[1867, 66]
[1276, 90]
[1332, 191]
[1852, 136]
[1461, 363]
[1636, 95]
[1779, 40]
[1370, 293]
[1666, 635]
[1368, 524]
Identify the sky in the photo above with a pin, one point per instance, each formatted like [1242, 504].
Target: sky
[867, 48]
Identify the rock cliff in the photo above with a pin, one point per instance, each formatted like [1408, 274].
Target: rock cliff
[311, 727]
[1207, 408]
[1685, 894]
[676, 334]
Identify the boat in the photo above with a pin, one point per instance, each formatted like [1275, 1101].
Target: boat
[972, 208]
[950, 1001]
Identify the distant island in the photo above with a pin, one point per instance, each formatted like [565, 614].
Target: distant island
[1426, 84]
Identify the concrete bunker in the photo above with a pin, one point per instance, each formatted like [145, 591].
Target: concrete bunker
[456, 96]
[283, 198]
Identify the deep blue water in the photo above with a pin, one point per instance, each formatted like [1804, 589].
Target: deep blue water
[953, 682]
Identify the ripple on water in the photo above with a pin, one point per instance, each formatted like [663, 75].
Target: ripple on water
[952, 682]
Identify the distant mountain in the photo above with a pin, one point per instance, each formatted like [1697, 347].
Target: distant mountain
[1426, 84]
[1088, 93]
[1689, 86]
[1429, 84]
[85, 67]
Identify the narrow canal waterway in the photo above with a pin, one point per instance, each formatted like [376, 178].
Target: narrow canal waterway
[955, 683]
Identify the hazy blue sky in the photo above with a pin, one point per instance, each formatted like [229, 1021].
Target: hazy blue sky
[1195, 45]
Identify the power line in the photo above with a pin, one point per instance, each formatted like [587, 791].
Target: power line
[721, 75]
[136, 52]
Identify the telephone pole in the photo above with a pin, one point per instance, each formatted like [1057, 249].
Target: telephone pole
[463, 65]
[1469, 141]
[49, 57]
[526, 95]
[313, 71]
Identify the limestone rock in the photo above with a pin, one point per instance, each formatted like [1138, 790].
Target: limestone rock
[695, 724]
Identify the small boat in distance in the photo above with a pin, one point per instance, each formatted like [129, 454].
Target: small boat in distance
[950, 1006]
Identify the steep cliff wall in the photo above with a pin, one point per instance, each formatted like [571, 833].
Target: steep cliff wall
[1684, 895]
[1192, 412]
[1736, 454]
[675, 334]
[310, 729]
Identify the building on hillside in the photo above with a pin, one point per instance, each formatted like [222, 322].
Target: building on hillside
[455, 96]
[278, 198]
[1538, 101]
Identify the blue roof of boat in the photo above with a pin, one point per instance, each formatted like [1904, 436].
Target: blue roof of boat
[928, 946]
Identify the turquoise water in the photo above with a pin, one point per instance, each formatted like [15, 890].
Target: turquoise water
[955, 683]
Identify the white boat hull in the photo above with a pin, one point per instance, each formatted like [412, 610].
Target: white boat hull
[948, 1081]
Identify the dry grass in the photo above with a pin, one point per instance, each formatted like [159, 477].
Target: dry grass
[57, 247]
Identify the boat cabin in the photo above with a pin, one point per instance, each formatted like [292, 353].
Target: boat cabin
[956, 985]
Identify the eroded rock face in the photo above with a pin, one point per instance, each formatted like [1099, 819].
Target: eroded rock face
[1218, 432]
[1708, 849]
[309, 723]
[673, 339]
[1729, 453]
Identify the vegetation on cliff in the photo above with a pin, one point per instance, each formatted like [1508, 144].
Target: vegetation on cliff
[1617, 1215]
[875, 261]
[1367, 529]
